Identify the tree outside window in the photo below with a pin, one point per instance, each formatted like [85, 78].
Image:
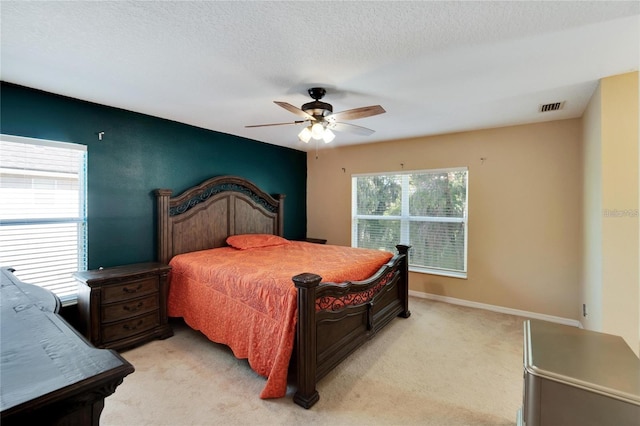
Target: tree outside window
[424, 209]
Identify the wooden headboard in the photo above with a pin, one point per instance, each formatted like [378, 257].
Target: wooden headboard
[204, 216]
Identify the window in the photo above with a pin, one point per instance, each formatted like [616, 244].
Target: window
[43, 221]
[424, 209]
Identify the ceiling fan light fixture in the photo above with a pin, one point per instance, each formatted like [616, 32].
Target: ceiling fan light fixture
[328, 136]
[305, 135]
[317, 131]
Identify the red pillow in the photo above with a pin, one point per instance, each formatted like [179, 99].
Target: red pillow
[249, 241]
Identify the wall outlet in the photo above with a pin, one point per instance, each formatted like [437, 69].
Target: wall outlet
[584, 309]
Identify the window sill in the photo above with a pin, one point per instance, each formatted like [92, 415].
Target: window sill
[451, 274]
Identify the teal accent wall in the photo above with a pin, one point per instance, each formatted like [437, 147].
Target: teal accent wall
[140, 153]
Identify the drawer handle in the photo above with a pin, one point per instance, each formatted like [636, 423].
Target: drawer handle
[134, 308]
[132, 327]
[132, 290]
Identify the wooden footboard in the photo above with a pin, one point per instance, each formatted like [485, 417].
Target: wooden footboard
[336, 319]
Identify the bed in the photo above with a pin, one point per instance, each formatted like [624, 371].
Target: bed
[322, 322]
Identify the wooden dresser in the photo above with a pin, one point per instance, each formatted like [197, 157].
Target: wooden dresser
[124, 306]
[51, 375]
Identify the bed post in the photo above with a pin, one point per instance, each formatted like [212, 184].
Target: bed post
[280, 198]
[404, 282]
[306, 344]
[164, 249]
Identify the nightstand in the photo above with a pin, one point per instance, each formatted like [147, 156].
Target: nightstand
[315, 240]
[124, 306]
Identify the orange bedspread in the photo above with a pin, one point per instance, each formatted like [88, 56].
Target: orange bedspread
[246, 299]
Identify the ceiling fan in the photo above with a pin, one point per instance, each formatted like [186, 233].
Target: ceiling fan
[320, 119]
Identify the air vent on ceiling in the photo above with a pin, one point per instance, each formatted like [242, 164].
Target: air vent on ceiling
[551, 107]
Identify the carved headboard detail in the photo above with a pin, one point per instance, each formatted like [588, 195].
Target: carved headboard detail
[204, 216]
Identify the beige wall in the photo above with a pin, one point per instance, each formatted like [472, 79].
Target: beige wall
[525, 216]
[612, 240]
[591, 279]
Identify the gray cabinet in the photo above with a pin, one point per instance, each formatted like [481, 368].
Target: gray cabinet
[578, 377]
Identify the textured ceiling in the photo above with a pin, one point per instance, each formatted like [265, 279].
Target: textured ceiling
[436, 67]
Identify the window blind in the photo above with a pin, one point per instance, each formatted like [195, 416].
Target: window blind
[43, 224]
[424, 209]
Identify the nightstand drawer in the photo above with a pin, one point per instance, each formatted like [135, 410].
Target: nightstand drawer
[129, 308]
[126, 291]
[123, 329]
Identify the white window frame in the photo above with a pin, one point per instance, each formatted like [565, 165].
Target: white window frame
[56, 274]
[405, 217]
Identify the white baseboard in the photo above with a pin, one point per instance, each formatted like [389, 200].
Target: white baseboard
[494, 308]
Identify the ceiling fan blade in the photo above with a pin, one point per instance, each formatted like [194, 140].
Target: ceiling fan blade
[353, 114]
[278, 124]
[350, 128]
[295, 110]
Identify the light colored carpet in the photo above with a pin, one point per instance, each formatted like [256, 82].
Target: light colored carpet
[445, 365]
